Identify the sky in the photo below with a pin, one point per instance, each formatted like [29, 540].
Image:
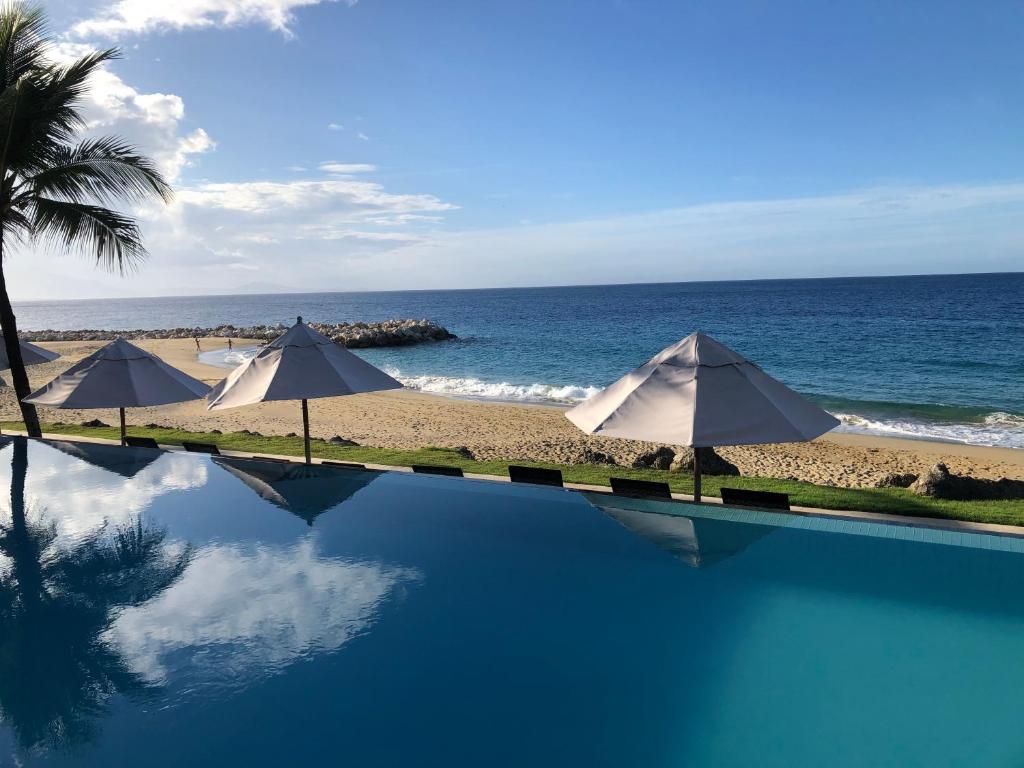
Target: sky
[320, 145]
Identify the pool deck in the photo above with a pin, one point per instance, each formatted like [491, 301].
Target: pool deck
[962, 526]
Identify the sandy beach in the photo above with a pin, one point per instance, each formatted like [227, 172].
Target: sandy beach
[410, 419]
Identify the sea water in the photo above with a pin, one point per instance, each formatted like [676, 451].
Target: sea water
[938, 357]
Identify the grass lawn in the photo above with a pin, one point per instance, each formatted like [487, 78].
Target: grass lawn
[888, 500]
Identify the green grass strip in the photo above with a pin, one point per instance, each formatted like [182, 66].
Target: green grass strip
[894, 501]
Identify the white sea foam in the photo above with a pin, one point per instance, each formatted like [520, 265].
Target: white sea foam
[502, 390]
[1005, 430]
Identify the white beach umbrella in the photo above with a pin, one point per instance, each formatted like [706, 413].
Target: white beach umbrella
[700, 393]
[301, 364]
[119, 375]
[31, 354]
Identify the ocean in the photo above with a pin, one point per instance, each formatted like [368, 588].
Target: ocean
[932, 357]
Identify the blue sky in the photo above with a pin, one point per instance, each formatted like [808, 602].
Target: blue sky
[389, 144]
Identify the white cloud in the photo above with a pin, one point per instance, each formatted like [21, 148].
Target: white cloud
[335, 127]
[282, 233]
[134, 17]
[362, 136]
[347, 200]
[151, 121]
[346, 168]
[951, 228]
[286, 233]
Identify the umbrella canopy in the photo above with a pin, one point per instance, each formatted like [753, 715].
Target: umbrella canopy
[700, 393]
[301, 364]
[304, 490]
[119, 375]
[30, 354]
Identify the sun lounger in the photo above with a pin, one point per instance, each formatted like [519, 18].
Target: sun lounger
[640, 489]
[141, 442]
[534, 475]
[436, 469]
[739, 497]
[201, 448]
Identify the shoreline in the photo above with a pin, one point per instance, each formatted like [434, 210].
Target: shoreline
[408, 419]
[903, 441]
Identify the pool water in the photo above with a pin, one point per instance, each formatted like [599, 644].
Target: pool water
[172, 609]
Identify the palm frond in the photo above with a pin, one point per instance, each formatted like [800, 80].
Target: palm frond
[23, 34]
[16, 225]
[104, 170]
[113, 239]
[57, 91]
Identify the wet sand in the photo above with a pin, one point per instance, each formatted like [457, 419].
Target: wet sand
[491, 430]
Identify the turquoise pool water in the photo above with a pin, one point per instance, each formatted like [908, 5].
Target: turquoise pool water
[172, 609]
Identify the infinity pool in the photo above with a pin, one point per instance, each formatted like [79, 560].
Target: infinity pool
[165, 609]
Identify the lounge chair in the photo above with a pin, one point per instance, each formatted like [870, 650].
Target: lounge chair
[740, 497]
[640, 489]
[534, 475]
[349, 464]
[141, 442]
[436, 469]
[200, 448]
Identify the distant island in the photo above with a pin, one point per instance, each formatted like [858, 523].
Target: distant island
[389, 333]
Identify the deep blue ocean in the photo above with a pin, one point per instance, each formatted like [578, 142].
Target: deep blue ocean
[937, 357]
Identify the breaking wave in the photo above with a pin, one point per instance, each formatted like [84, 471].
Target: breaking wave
[503, 390]
[997, 429]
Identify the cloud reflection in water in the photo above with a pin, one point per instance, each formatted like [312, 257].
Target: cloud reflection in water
[243, 612]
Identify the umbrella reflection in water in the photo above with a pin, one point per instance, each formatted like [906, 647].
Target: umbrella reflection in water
[305, 490]
[699, 542]
[113, 458]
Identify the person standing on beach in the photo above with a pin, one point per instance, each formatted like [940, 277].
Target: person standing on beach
[229, 344]
[198, 348]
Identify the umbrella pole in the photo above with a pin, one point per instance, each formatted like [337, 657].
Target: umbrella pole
[305, 429]
[696, 474]
[124, 434]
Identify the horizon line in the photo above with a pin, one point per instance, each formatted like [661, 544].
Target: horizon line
[522, 287]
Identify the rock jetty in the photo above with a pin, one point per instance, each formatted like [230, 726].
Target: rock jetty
[390, 333]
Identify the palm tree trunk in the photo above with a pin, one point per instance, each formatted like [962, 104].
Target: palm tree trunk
[19, 377]
[19, 468]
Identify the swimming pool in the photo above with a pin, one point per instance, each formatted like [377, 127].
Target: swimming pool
[173, 609]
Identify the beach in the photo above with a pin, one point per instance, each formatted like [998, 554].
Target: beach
[498, 430]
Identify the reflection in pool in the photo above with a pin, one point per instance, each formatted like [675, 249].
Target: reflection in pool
[57, 595]
[167, 609]
[252, 610]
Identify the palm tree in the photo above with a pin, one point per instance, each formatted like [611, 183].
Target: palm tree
[53, 190]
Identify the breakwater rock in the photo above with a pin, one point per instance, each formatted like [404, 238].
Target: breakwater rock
[390, 333]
